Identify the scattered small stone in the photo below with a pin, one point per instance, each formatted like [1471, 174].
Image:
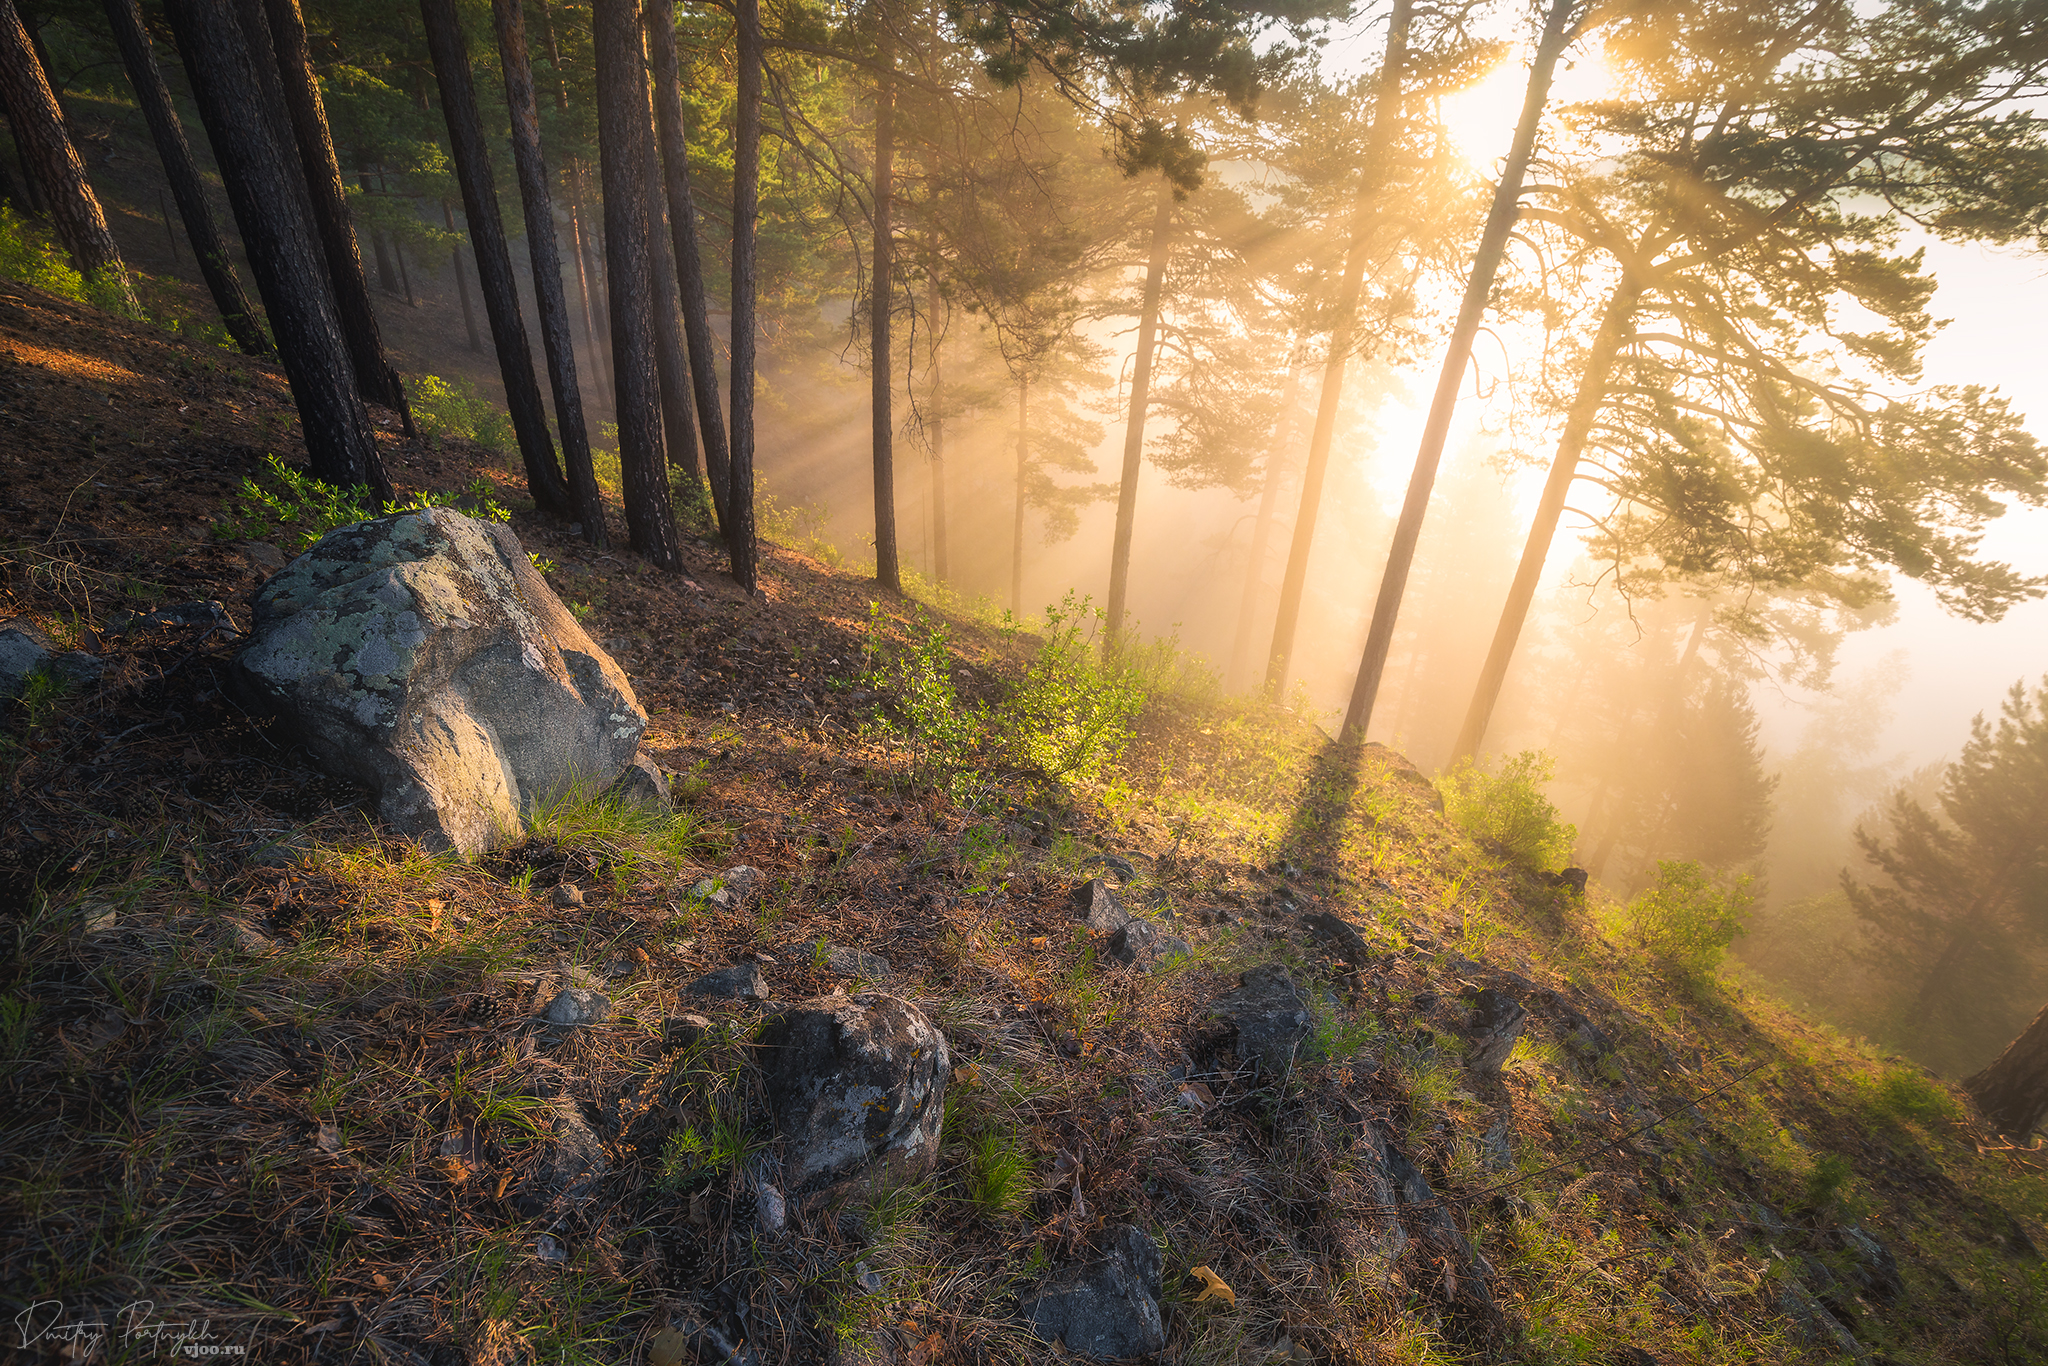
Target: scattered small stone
[854, 1082]
[567, 1178]
[867, 1278]
[98, 917]
[1142, 944]
[550, 1249]
[1344, 937]
[1116, 863]
[1871, 1263]
[643, 784]
[577, 1006]
[682, 1031]
[728, 889]
[771, 1209]
[1271, 1016]
[1100, 906]
[848, 961]
[1108, 1307]
[250, 941]
[1572, 878]
[740, 982]
[568, 894]
[1497, 1020]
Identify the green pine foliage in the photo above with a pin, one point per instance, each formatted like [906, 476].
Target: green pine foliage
[1508, 809]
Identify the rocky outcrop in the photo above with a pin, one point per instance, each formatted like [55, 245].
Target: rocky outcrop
[1497, 1020]
[1142, 944]
[422, 656]
[1107, 1307]
[1100, 906]
[854, 1082]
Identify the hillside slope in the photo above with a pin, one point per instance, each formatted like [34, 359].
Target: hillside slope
[280, 1079]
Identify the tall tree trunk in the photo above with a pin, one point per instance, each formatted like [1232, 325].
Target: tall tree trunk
[404, 276]
[625, 127]
[331, 218]
[557, 342]
[284, 256]
[573, 177]
[1278, 468]
[1616, 325]
[888, 572]
[450, 52]
[1558, 31]
[461, 282]
[2013, 1091]
[746, 204]
[209, 248]
[53, 164]
[682, 227]
[1134, 425]
[940, 571]
[678, 416]
[1343, 336]
[1023, 464]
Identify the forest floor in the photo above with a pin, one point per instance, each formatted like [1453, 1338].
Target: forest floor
[272, 1081]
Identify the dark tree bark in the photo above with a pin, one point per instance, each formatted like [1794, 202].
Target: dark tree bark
[2013, 1091]
[476, 342]
[1616, 324]
[329, 197]
[1343, 335]
[1017, 528]
[573, 177]
[52, 163]
[625, 128]
[682, 226]
[450, 54]
[1558, 31]
[746, 202]
[888, 572]
[1134, 426]
[208, 246]
[560, 347]
[277, 232]
[678, 415]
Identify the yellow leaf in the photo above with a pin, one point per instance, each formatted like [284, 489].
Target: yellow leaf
[670, 1347]
[1213, 1287]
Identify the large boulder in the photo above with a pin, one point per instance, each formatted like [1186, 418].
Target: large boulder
[855, 1082]
[1271, 1017]
[1108, 1307]
[422, 656]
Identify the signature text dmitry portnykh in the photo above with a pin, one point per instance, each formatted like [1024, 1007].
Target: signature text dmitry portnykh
[46, 1322]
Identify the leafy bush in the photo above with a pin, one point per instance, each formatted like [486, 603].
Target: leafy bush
[1688, 919]
[29, 257]
[292, 506]
[1509, 809]
[1905, 1095]
[1069, 715]
[454, 408]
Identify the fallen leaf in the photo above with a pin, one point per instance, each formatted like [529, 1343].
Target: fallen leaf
[192, 878]
[380, 1280]
[1197, 1097]
[1038, 941]
[1213, 1287]
[968, 1074]
[327, 1139]
[503, 1182]
[331, 1326]
[670, 1347]
[456, 1170]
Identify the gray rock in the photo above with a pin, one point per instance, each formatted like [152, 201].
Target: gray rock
[76, 668]
[1461, 1280]
[1872, 1265]
[1116, 863]
[567, 894]
[771, 1209]
[578, 1006]
[682, 1031]
[1100, 906]
[263, 555]
[848, 961]
[727, 889]
[20, 656]
[1142, 944]
[1272, 1018]
[740, 982]
[854, 1082]
[868, 1279]
[643, 784]
[1497, 1144]
[1497, 1020]
[567, 1177]
[1105, 1308]
[1398, 767]
[208, 616]
[1344, 937]
[422, 656]
[1815, 1324]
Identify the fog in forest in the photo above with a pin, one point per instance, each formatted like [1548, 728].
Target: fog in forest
[1703, 689]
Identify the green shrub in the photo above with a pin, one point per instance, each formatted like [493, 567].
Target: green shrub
[1509, 809]
[454, 408]
[1069, 715]
[1689, 918]
[29, 257]
[292, 506]
[1905, 1095]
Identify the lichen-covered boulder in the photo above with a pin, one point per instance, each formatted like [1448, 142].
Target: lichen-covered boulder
[1106, 1308]
[854, 1082]
[422, 656]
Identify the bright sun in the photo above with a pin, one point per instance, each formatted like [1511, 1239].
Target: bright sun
[1480, 119]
